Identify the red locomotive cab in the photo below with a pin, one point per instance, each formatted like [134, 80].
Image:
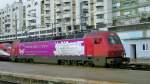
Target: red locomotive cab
[115, 46]
[103, 44]
[104, 47]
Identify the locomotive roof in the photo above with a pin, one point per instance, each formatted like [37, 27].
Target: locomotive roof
[71, 36]
[99, 33]
[6, 41]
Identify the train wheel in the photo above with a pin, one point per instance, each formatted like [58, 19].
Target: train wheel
[30, 60]
[70, 62]
[16, 60]
[22, 60]
[87, 63]
[66, 62]
[91, 65]
[26, 60]
[12, 59]
[108, 66]
[59, 62]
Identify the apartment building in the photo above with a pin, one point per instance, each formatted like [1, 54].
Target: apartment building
[65, 16]
[82, 14]
[60, 17]
[95, 14]
[33, 14]
[103, 13]
[131, 21]
[48, 12]
[6, 19]
[11, 20]
[17, 17]
[126, 12]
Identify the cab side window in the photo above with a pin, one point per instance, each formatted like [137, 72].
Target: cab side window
[97, 40]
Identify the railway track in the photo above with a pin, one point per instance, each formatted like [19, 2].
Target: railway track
[130, 66]
[138, 66]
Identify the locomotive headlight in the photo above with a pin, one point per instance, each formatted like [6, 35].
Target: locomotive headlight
[123, 54]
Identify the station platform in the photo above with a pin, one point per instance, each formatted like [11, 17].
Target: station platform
[141, 61]
[18, 78]
[27, 73]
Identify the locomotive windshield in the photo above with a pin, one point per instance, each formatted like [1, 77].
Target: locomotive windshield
[114, 40]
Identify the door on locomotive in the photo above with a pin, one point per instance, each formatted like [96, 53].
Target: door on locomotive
[95, 49]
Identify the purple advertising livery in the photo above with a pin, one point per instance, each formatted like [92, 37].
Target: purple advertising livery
[52, 48]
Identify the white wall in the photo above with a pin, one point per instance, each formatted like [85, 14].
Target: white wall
[135, 37]
[139, 44]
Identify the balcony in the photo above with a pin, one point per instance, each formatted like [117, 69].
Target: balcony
[85, 6]
[47, 9]
[67, 15]
[85, 0]
[100, 4]
[68, 23]
[100, 20]
[58, 1]
[100, 12]
[32, 24]
[47, 1]
[58, 17]
[58, 25]
[65, 1]
[47, 20]
[58, 10]
[66, 8]
[31, 18]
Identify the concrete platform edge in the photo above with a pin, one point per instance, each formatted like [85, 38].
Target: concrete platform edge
[40, 79]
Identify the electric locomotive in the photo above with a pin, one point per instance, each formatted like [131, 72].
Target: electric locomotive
[96, 49]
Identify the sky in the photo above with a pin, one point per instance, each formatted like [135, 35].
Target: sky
[4, 2]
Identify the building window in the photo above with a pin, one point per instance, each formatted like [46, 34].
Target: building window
[100, 16]
[36, 3]
[100, 8]
[47, 6]
[47, 11]
[28, 6]
[145, 47]
[99, 0]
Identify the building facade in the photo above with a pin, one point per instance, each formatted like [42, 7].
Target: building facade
[33, 14]
[58, 17]
[131, 21]
[11, 20]
[103, 13]
[6, 19]
[17, 17]
[126, 12]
